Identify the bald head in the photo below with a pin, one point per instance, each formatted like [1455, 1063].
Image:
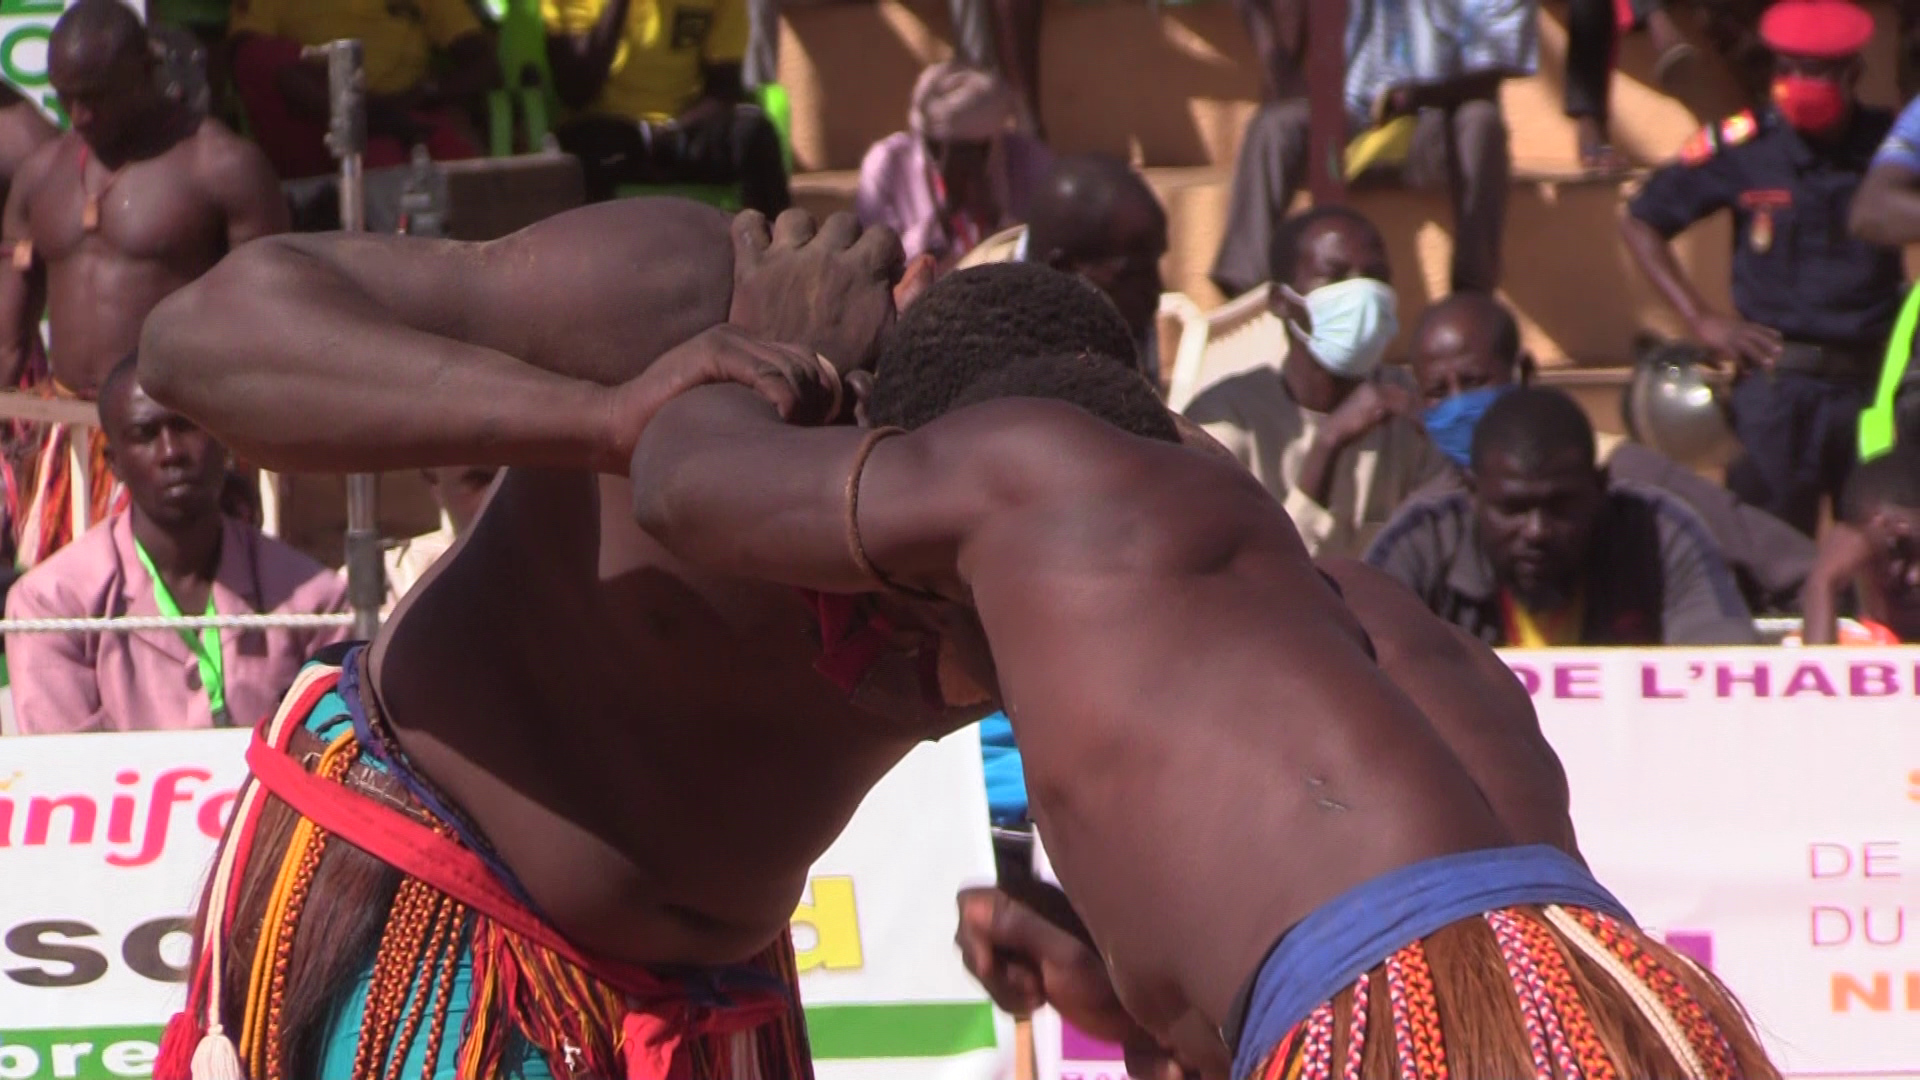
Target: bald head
[1464, 342]
[94, 33]
[98, 62]
[1094, 216]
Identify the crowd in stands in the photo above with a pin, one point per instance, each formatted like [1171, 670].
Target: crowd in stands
[1453, 468]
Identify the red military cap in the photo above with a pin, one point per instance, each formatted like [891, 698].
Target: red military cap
[1823, 29]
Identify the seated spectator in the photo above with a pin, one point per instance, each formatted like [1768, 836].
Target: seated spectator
[1542, 549]
[286, 96]
[461, 492]
[1337, 444]
[1096, 217]
[656, 97]
[172, 553]
[1466, 355]
[1422, 95]
[957, 173]
[1874, 550]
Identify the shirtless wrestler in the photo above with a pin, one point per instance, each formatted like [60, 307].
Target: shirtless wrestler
[1282, 860]
[646, 754]
[141, 197]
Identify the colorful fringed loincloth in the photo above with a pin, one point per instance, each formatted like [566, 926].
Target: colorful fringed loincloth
[1491, 965]
[49, 520]
[532, 1002]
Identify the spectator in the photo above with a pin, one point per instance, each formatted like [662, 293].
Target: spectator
[1593, 29]
[172, 553]
[1887, 211]
[142, 196]
[957, 173]
[286, 96]
[1422, 96]
[1542, 549]
[1338, 445]
[1466, 355]
[1814, 306]
[657, 98]
[1094, 216]
[1875, 549]
[461, 492]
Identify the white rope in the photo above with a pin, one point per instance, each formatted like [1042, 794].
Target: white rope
[131, 624]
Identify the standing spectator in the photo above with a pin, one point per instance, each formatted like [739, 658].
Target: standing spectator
[1814, 305]
[1094, 216]
[1422, 96]
[1887, 211]
[957, 173]
[103, 222]
[1543, 550]
[172, 553]
[1335, 443]
[1466, 355]
[657, 97]
[1874, 550]
[287, 100]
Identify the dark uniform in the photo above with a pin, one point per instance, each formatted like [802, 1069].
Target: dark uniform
[1798, 270]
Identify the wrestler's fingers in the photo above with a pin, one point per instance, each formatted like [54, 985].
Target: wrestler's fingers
[793, 228]
[750, 238]
[838, 232]
[879, 252]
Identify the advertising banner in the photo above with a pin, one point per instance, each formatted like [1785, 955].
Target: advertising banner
[105, 841]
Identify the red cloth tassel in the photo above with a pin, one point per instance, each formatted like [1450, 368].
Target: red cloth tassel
[176, 1047]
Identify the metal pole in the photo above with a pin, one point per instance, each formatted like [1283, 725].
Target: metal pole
[347, 138]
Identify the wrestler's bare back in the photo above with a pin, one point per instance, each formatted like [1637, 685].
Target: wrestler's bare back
[649, 748]
[162, 222]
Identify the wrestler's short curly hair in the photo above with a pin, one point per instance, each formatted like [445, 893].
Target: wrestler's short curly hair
[977, 320]
[1102, 386]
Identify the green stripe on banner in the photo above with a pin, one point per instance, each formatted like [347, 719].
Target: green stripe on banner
[843, 1032]
[837, 1032]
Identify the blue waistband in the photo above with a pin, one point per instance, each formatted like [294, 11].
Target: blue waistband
[1357, 930]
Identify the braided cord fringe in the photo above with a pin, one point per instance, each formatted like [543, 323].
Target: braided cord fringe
[1416, 1016]
[1357, 1027]
[1564, 999]
[1317, 1058]
[1700, 1029]
[1649, 1004]
[1542, 1022]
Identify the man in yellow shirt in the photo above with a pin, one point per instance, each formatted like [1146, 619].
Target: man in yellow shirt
[656, 97]
[410, 101]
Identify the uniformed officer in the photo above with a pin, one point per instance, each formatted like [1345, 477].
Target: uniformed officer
[1814, 304]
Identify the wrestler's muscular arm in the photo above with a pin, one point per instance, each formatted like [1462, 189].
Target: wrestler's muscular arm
[236, 175]
[345, 352]
[360, 352]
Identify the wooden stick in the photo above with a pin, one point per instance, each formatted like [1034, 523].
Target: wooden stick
[15, 405]
[1026, 1064]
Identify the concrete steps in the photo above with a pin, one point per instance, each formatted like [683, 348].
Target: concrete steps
[1171, 89]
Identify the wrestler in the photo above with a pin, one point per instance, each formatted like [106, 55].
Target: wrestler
[652, 756]
[141, 197]
[1281, 859]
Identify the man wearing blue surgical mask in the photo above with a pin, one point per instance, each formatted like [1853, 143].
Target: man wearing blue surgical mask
[1465, 355]
[1335, 438]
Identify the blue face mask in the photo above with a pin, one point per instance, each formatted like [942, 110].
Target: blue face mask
[1450, 424]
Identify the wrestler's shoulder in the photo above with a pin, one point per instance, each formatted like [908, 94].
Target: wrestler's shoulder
[218, 152]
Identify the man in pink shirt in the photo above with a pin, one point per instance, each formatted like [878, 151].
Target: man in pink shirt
[173, 552]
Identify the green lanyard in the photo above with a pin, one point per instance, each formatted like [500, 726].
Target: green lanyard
[205, 646]
[1876, 421]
